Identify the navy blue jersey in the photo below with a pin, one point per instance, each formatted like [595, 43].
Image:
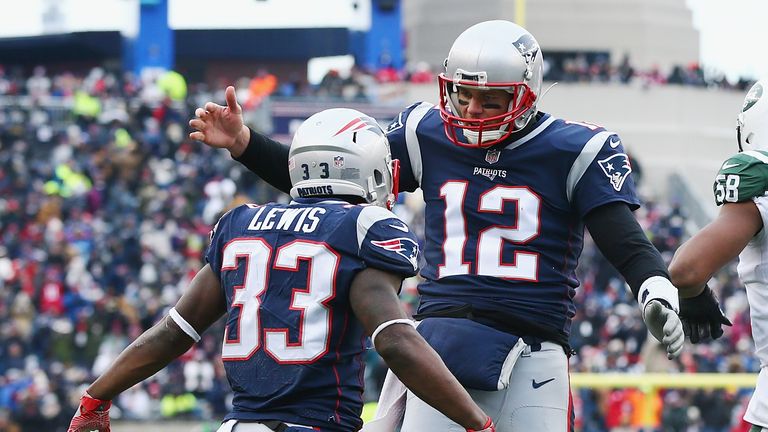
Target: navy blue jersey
[504, 226]
[292, 346]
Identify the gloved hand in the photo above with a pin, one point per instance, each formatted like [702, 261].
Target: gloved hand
[488, 427]
[665, 326]
[702, 317]
[93, 414]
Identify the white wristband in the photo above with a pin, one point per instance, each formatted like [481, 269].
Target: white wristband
[386, 324]
[658, 288]
[184, 325]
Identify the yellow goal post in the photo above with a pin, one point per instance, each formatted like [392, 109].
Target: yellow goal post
[650, 383]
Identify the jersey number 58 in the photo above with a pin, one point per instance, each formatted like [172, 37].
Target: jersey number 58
[727, 188]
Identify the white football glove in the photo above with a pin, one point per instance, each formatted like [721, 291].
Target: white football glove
[658, 298]
[665, 326]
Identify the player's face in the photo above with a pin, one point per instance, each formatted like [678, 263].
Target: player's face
[480, 104]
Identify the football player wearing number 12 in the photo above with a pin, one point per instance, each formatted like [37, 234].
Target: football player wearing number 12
[302, 285]
[508, 192]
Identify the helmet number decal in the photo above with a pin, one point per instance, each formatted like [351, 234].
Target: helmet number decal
[323, 166]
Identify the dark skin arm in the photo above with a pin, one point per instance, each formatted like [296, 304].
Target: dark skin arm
[374, 301]
[714, 246]
[201, 305]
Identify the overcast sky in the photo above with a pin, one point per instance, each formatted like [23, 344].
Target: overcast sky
[734, 35]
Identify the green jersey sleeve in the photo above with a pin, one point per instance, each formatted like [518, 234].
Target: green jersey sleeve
[742, 177]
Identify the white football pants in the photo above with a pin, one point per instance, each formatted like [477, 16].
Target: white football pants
[757, 410]
[538, 398]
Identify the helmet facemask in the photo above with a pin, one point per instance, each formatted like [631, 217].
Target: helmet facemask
[491, 55]
[383, 185]
[487, 131]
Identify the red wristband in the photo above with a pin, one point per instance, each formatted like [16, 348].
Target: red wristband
[89, 403]
[488, 424]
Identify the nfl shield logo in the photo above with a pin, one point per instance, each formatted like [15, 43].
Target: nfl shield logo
[492, 156]
[338, 161]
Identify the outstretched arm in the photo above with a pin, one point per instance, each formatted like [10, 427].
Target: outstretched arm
[714, 246]
[222, 127]
[700, 257]
[198, 308]
[374, 300]
[620, 238]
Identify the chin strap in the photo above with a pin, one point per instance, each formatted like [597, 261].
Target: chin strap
[544, 93]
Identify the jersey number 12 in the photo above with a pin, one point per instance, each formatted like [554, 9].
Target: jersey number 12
[490, 241]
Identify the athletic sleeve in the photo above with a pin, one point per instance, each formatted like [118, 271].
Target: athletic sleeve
[385, 242]
[624, 244]
[268, 159]
[742, 177]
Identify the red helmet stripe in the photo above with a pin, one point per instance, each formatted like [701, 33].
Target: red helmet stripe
[349, 125]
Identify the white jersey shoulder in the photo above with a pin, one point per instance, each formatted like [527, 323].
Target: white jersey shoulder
[412, 139]
[369, 216]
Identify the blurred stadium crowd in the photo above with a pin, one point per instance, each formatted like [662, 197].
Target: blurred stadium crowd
[105, 210]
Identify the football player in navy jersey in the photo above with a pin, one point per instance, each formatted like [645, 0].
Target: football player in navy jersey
[302, 286]
[508, 191]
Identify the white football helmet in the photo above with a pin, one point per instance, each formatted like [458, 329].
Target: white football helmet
[342, 152]
[491, 55]
[752, 122]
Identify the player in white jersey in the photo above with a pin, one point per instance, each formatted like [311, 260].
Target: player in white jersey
[741, 187]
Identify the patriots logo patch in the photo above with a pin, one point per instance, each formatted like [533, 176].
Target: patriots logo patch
[617, 169]
[402, 246]
[396, 124]
[528, 47]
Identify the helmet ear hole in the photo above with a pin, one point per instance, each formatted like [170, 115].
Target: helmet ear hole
[378, 177]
